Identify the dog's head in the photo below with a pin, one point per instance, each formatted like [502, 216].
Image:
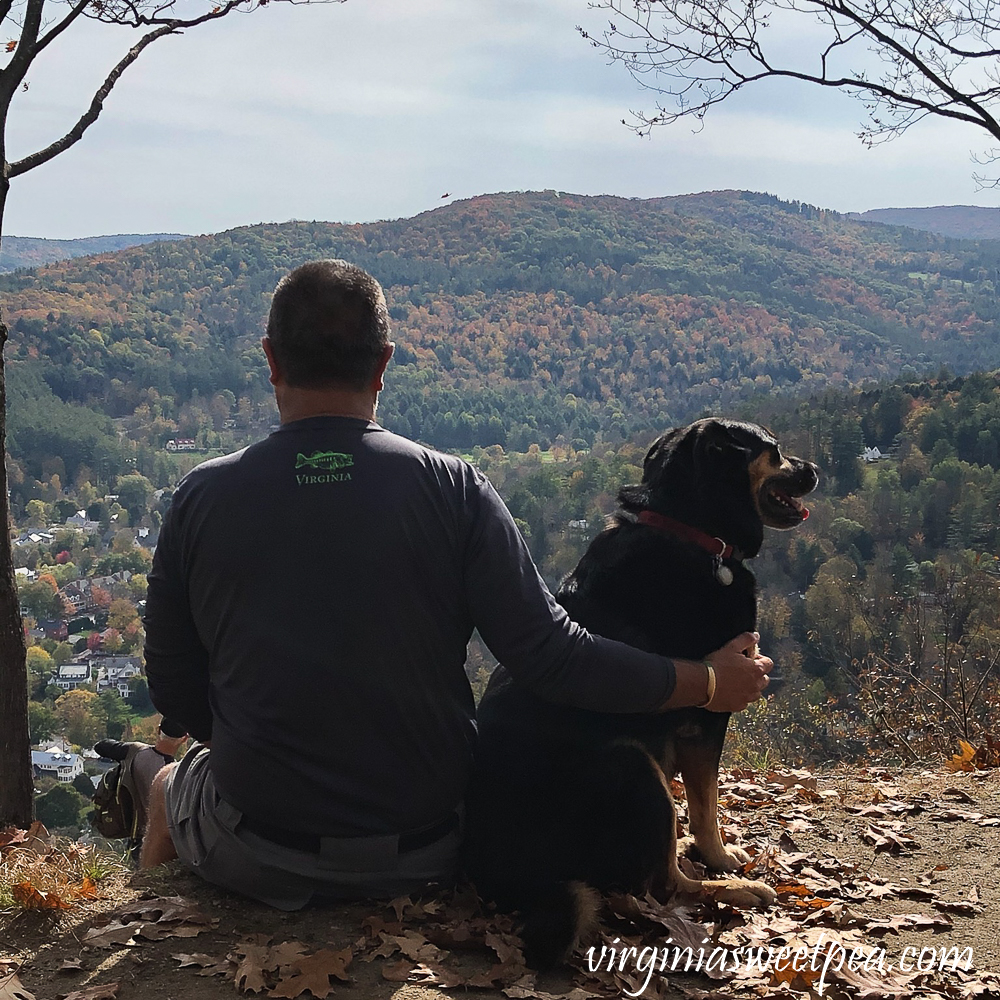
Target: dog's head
[726, 478]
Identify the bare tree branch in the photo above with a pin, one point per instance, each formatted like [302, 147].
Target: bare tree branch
[13, 73]
[911, 58]
[59, 28]
[92, 113]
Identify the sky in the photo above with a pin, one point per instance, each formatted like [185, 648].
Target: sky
[374, 109]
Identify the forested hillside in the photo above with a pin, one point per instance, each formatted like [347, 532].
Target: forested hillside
[519, 319]
[882, 610]
[31, 251]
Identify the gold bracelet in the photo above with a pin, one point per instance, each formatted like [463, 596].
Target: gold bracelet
[710, 670]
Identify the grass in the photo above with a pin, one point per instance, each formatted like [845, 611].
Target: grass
[40, 873]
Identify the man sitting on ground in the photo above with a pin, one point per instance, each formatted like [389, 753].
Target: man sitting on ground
[309, 608]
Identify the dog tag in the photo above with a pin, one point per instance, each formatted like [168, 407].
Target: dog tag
[723, 573]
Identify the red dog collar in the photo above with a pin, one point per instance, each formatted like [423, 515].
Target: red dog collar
[715, 546]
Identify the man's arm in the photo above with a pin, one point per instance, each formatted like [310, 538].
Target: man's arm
[176, 660]
[534, 638]
[739, 678]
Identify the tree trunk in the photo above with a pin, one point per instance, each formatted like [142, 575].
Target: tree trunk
[16, 785]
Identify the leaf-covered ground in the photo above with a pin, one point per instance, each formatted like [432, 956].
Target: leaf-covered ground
[874, 871]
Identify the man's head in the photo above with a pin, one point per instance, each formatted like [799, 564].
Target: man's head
[328, 327]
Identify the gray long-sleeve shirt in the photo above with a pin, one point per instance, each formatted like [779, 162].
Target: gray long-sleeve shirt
[309, 608]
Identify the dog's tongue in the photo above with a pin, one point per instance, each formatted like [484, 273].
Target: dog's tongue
[797, 504]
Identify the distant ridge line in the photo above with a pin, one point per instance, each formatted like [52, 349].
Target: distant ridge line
[35, 251]
[961, 222]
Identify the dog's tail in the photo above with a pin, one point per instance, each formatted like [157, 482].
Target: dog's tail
[556, 923]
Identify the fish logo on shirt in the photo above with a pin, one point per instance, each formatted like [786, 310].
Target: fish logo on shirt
[326, 460]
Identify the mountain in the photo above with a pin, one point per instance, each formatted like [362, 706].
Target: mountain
[31, 251]
[517, 317]
[961, 222]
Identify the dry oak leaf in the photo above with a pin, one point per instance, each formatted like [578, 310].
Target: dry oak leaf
[30, 898]
[519, 992]
[417, 948]
[165, 909]
[806, 900]
[435, 974]
[962, 761]
[11, 989]
[884, 839]
[252, 967]
[963, 909]
[908, 921]
[397, 972]
[111, 935]
[71, 965]
[211, 965]
[109, 991]
[87, 889]
[499, 975]
[507, 947]
[313, 973]
[960, 794]
[12, 835]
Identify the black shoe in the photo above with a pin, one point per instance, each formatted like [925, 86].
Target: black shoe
[115, 749]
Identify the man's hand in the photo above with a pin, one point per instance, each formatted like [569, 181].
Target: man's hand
[740, 677]
[740, 673]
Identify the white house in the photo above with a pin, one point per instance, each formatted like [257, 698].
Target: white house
[71, 675]
[113, 673]
[55, 763]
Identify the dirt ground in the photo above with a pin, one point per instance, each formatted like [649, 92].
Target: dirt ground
[895, 859]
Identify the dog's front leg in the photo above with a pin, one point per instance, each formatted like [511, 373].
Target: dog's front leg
[701, 783]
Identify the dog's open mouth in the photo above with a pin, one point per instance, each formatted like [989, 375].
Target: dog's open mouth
[780, 506]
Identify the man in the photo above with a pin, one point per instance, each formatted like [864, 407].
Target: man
[309, 607]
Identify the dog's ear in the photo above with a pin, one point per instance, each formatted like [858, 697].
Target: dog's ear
[716, 446]
[660, 453]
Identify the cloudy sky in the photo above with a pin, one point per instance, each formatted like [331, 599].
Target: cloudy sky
[373, 109]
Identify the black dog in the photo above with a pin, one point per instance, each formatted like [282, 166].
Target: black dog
[563, 798]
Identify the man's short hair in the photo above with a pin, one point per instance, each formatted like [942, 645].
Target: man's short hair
[328, 325]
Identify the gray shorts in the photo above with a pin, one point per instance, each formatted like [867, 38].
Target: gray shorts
[208, 838]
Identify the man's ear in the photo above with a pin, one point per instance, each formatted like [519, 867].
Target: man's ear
[276, 375]
[387, 353]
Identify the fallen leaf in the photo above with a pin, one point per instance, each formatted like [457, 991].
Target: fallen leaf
[530, 993]
[313, 973]
[107, 992]
[86, 889]
[508, 949]
[435, 974]
[964, 909]
[201, 960]
[30, 898]
[252, 967]
[397, 972]
[111, 936]
[11, 989]
[962, 761]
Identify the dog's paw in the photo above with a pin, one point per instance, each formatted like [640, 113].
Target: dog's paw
[686, 847]
[737, 856]
[743, 893]
[724, 859]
